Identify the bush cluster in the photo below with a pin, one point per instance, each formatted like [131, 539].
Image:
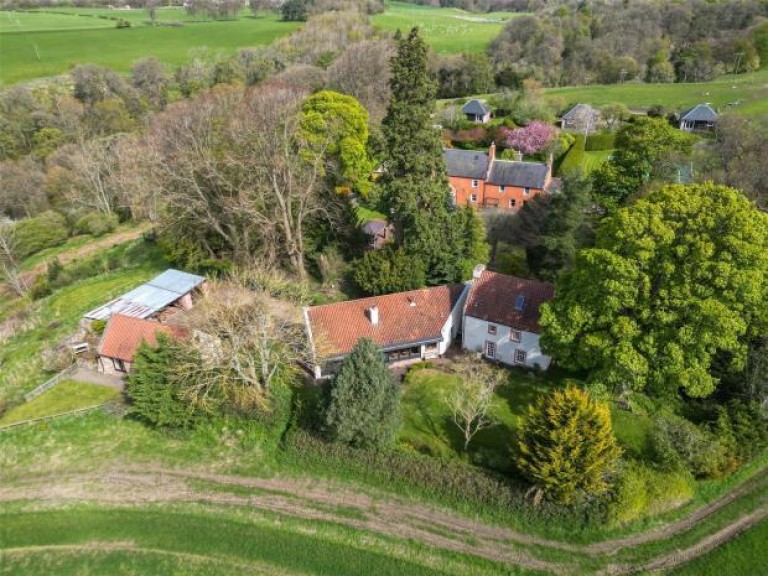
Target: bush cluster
[43, 231]
[598, 142]
[96, 223]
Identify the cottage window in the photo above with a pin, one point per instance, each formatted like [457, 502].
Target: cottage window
[502, 189]
[475, 183]
[520, 356]
[527, 191]
[473, 197]
[492, 329]
[515, 336]
[512, 202]
[490, 349]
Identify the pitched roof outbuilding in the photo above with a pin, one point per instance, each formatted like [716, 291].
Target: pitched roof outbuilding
[475, 107]
[700, 113]
[496, 298]
[404, 318]
[124, 334]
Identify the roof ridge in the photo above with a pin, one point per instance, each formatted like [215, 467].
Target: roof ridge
[391, 294]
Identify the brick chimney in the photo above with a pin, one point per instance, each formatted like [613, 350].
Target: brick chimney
[373, 315]
[492, 152]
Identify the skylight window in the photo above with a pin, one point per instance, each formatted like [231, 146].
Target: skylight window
[520, 303]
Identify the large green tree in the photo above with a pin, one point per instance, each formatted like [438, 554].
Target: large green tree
[415, 184]
[646, 149]
[362, 406]
[336, 126]
[567, 446]
[675, 280]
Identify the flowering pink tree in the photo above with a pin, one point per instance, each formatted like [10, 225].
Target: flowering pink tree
[529, 139]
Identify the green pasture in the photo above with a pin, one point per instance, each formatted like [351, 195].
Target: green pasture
[65, 396]
[747, 92]
[31, 55]
[447, 30]
[186, 539]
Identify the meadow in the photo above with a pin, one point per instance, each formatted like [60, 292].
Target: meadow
[65, 396]
[446, 30]
[45, 44]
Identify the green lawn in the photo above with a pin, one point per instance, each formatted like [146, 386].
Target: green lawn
[428, 426]
[447, 30]
[65, 396]
[593, 160]
[43, 53]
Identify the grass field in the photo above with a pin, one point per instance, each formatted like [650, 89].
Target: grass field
[63, 41]
[447, 30]
[751, 90]
[65, 396]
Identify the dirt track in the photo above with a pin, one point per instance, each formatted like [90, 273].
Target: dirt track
[319, 500]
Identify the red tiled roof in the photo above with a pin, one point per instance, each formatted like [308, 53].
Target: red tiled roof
[405, 317]
[124, 335]
[493, 298]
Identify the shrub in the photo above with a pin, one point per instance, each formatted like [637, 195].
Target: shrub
[98, 327]
[43, 231]
[680, 444]
[96, 223]
[123, 24]
[567, 446]
[597, 142]
[640, 491]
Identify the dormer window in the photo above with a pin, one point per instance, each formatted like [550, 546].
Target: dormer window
[520, 303]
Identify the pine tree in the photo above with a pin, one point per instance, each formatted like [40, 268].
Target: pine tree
[567, 446]
[362, 406]
[155, 395]
[415, 183]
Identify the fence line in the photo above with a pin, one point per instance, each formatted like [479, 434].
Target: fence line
[69, 413]
[52, 382]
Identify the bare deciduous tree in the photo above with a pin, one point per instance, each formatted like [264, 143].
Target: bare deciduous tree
[471, 401]
[9, 261]
[246, 341]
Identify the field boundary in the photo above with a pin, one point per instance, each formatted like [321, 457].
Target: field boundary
[48, 384]
[52, 416]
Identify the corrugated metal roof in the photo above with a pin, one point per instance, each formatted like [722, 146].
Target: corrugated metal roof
[145, 300]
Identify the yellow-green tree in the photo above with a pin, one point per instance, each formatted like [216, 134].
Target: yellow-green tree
[567, 446]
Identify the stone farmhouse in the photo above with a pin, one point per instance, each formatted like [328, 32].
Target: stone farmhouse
[581, 118]
[482, 181]
[497, 316]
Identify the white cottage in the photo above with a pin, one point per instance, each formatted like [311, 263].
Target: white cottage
[501, 318]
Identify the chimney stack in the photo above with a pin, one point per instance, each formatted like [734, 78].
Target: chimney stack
[478, 270]
[373, 315]
[492, 152]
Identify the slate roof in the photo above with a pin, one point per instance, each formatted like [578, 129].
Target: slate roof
[405, 318]
[466, 163]
[578, 109]
[521, 174]
[373, 227]
[151, 297]
[124, 334]
[475, 107]
[493, 297]
[700, 113]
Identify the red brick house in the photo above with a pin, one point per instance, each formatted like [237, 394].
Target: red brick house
[480, 180]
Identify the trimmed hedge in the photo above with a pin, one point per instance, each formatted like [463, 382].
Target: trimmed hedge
[599, 142]
[574, 158]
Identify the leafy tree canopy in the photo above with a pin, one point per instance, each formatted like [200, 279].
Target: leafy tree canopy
[646, 149]
[567, 446]
[337, 126]
[363, 402]
[674, 280]
[388, 270]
